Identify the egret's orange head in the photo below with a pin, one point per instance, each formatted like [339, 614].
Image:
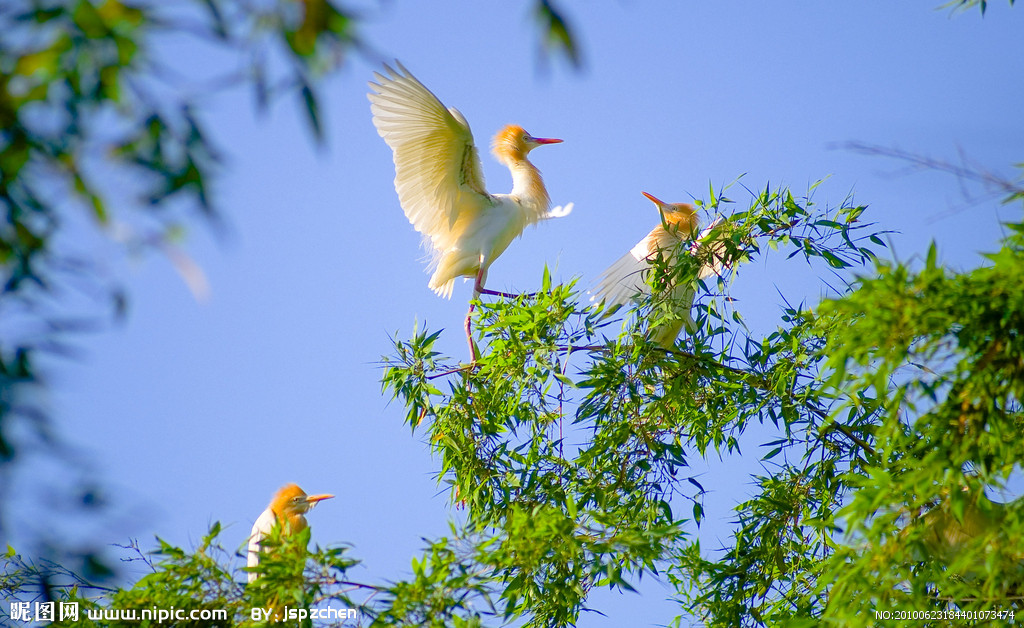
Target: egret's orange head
[513, 142]
[681, 215]
[291, 500]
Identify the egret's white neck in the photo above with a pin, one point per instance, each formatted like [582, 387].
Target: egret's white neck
[528, 186]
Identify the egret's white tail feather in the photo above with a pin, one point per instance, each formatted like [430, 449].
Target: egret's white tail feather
[561, 211]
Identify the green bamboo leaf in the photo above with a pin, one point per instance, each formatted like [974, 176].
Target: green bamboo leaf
[309, 99]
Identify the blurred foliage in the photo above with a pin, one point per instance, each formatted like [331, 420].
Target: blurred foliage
[942, 354]
[556, 32]
[963, 5]
[98, 126]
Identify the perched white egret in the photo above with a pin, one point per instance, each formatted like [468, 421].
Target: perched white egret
[975, 540]
[628, 277]
[945, 535]
[440, 185]
[287, 509]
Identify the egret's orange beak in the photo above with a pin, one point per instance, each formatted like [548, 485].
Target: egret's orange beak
[546, 140]
[655, 199]
[313, 500]
[662, 207]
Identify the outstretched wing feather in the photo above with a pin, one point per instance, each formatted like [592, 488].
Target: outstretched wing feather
[437, 167]
[627, 277]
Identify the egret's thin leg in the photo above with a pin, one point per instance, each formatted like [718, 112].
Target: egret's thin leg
[469, 334]
[478, 289]
[507, 295]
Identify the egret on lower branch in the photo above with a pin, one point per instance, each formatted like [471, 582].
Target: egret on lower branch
[287, 509]
[628, 277]
[441, 187]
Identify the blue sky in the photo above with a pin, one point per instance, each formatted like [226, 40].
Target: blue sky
[193, 412]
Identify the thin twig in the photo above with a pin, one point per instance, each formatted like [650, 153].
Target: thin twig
[459, 369]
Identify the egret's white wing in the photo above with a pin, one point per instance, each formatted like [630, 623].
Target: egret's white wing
[260, 529]
[437, 167]
[627, 277]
